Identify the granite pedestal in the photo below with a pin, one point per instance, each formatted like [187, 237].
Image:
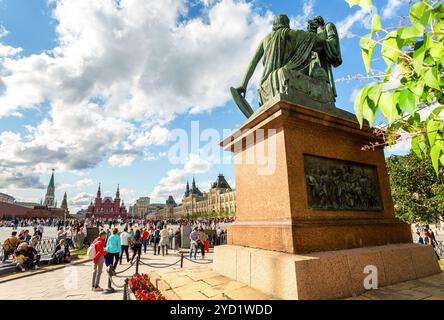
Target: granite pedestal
[284, 218]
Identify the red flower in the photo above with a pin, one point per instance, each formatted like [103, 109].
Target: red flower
[143, 289]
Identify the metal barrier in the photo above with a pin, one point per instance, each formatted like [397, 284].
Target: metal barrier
[48, 245]
[439, 248]
[126, 290]
[2, 253]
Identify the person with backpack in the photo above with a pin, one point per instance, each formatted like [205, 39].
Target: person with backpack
[97, 252]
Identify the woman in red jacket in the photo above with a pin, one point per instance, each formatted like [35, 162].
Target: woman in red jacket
[99, 244]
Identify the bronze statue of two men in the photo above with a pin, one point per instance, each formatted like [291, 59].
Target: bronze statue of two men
[286, 52]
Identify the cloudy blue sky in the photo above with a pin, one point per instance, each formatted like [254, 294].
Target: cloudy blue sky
[97, 89]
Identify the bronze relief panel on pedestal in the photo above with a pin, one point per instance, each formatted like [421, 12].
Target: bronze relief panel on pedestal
[334, 184]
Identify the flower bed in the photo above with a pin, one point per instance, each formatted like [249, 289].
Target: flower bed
[142, 288]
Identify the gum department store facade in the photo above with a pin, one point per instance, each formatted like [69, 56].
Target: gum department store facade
[221, 198]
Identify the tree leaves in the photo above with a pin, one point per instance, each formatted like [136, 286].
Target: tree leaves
[407, 101]
[365, 4]
[418, 52]
[387, 104]
[410, 176]
[376, 23]
[418, 56]
[431, 78]
[390, 50]
[435, 152]
[417, 11]
[370, 103]
[367, 45]
[414, 31]
[418, 87]
[432, 130]
[419, 146]
[359, 102]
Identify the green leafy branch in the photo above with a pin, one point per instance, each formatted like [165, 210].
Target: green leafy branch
[417, 50]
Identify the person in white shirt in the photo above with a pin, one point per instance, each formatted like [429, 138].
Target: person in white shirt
[218, 234]
[171, 237]
[61, 232]
[40, 230]
[124, 240]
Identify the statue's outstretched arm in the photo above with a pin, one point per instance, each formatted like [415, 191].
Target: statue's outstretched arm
[253, 64]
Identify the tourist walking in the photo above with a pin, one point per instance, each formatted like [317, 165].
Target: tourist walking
[40, 229]
[124, 241]
[113, 249]
[156, 240]
[177, 238]
[171, 238]
[218, 236]
[137, 245]
[202, 240]
[433, 242]
[164, 240]
[35, 239]
[99, 247]
[145, 236]
[194, 239]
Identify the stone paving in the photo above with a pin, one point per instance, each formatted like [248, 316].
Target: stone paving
[203, 283]
[5, 232]
[430, 288]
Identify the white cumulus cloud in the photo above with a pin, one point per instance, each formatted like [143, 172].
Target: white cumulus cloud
[121, 160]
[360, 17]
[392, 6]
[174, 182]
[120, 72]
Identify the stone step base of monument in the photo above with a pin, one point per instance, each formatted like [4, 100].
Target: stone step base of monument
[328, 274]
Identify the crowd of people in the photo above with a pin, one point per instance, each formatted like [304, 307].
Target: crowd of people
[426, 236]
[23, 249]
[112, 246]
[157, 236]
[17, 222]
